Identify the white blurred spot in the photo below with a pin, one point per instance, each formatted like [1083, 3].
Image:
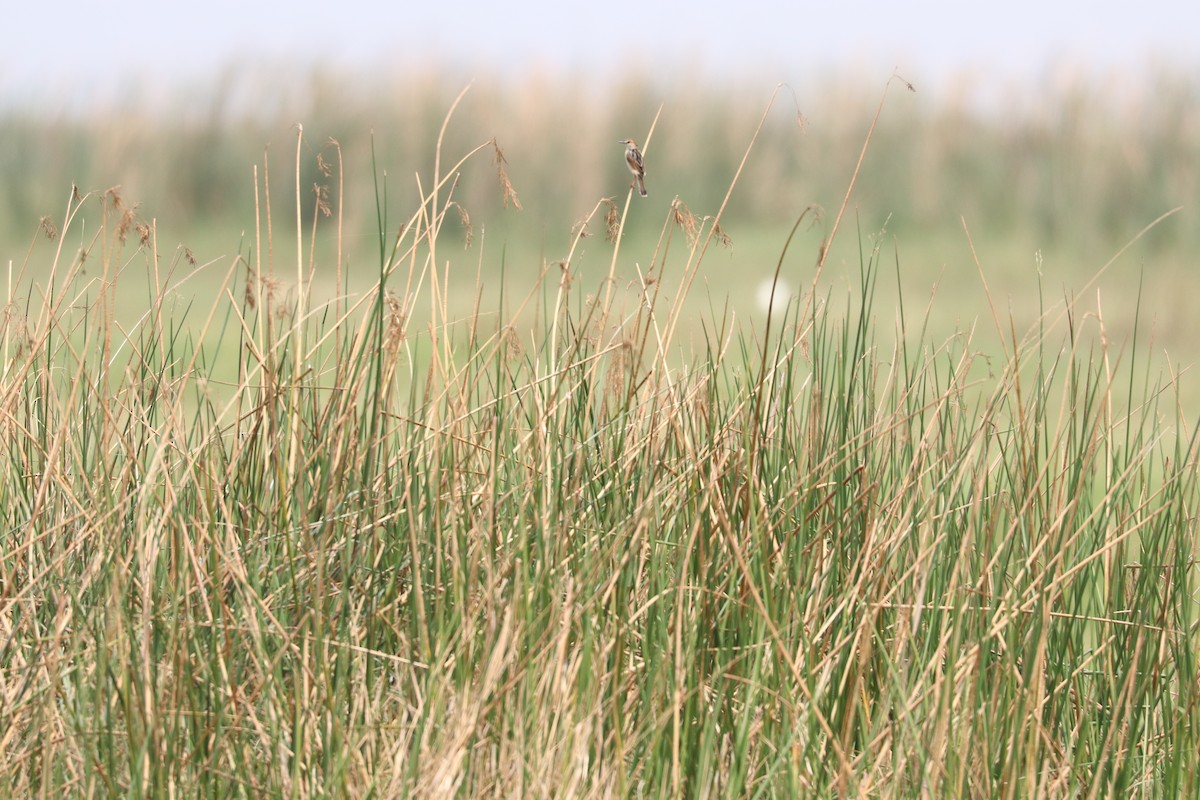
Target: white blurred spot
[783, 294]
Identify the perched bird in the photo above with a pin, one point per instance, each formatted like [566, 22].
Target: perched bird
[633, 158]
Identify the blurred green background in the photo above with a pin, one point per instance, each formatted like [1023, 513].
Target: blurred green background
[1049, 189]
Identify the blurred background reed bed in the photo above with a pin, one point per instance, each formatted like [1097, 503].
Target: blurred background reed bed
[360, 505]
[1084, 159]
[1048, 187]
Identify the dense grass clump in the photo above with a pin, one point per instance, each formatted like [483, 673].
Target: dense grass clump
[290, 547]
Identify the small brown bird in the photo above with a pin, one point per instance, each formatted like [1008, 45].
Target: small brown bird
[633, 158]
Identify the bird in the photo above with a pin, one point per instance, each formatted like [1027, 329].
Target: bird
[633, 159]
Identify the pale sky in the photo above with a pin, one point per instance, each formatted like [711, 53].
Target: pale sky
[71, 49]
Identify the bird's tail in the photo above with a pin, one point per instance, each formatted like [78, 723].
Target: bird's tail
[641, 183]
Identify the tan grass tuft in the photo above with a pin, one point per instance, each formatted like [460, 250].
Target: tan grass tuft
[612, 220]
[579, 229]
[686, 220]
[465, 219]
[48, 228]
[321, 191]
[510, 194]
[722, 236]
[396, 321]
[113, 195]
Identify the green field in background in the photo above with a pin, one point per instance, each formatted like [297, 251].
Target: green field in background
[1049, 192]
